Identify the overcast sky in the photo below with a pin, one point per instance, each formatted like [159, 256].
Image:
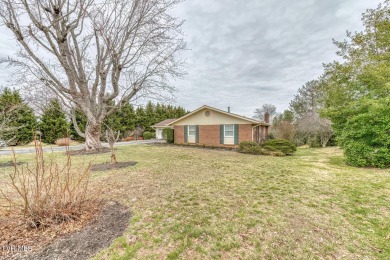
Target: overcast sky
[247, 53]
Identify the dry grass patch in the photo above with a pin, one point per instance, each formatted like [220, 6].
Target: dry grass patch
[203, 204]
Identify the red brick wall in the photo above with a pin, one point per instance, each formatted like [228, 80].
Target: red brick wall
[244, 133]
[179, 134]
[209, 135]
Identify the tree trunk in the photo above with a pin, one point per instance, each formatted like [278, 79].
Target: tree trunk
[92, 137]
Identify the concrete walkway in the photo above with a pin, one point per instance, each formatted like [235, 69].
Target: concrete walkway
[76, 147]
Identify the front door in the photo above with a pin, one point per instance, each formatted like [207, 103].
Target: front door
[159, 133]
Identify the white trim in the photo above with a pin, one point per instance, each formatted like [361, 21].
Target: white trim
[188, 130]
[224, 130]
[229, 140]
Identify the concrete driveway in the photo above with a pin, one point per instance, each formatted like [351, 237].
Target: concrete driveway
[76, 147]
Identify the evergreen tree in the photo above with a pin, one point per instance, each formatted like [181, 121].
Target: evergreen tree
[81, 120]
[357, 92]
[21, 116]
[124, 119]
[53, 123]
[150, 116]
[141, 117]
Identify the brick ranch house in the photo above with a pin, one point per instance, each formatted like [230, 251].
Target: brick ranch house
[214, 127]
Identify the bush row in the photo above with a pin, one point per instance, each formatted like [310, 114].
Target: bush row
[274, 147]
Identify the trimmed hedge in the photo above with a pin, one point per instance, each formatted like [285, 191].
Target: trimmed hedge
[274, 147]
[246, 145]
[148, 135]
[281, 145]
[250, 148]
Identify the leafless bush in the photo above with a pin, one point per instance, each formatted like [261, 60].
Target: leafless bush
[63, 141]
[313, 126]
[48, 193]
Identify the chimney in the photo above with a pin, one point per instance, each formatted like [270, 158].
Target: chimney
[228, 109]
[266, 117]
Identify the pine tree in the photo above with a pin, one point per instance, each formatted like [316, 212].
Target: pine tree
[81, 120]
[21, 116]
[53, 123]
[123, 120]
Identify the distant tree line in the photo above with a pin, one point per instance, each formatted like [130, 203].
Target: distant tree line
[128, 119]
[19, 124]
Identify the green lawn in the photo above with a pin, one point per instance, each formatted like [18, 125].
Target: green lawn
[199, 204]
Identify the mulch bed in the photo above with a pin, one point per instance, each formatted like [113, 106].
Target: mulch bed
[87, 242]
[85, 152]
[108, 166]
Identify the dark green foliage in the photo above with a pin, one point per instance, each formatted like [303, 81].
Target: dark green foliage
[366, 136]
[269, 148]
[154, 113]
[168, 135]
[270, 136]
[256, 150]
[148, 135]
[20, 115]
[266, 149]
[282, 145]
[81, 120]
[357, 93]
[124, 119]
[243, 146]
[53, 124]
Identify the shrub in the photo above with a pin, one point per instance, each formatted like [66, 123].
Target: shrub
[365, 137]
[48, 193]
[251, 148]
[277, 153]
[168, 135]
[269, 148]
[129, 138]
[270, 136]
[281, 145]
[246, 145]
[63, 142]
[148, 135]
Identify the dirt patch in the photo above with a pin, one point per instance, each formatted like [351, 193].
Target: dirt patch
[108, 166]
[85, 152]
[110, 224]
[10, 164]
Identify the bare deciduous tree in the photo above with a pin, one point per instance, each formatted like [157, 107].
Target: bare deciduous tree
[95, 55]
[266, 108]
[284, 130]
[312, 126]
[5, 128]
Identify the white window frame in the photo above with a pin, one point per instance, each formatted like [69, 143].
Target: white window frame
[189, 131]
[224, 131]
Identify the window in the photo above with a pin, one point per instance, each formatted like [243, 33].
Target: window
[191, 130]
[229, 130]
